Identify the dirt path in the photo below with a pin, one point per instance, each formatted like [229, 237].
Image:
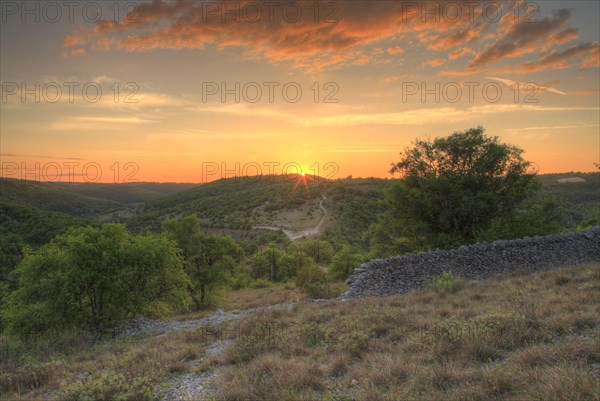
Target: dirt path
[295, 235]
[136, 327]
[192, 386]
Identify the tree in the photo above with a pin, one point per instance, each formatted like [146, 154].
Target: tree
[292, 263]
[344, 262]
[451, 188]
[320, 251]
[91, 277]
[209, 259]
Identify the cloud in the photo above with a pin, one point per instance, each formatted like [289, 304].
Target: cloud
[586, 92]
[180, 25]
[441, 115]
[391, 78]
[523, 37]
[87, 123]
[343, 41]
[395, 50]
[524, 86]
[40, 156]
[240, 109]
[434, 63]
[552, 127]
[558, 60]
[458, 53]
[112, 119]
[79, 52]
[366, 148]
[448, 40]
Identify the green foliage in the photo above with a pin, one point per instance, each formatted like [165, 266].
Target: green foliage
[11, 253]
[107, 387]
[33, 226]
[91, 277]
[318, 250]
[240, 278]
[355, 342]
[312, 280]
[225, 203]
[126, 193]
[24, 226]
[52, 197]
[4, 293]
[579, 201]
[447, 282]
[344, 262]
[539, 218]
[355, 206]
[453, 187]
[292, 263]
[209, 259]
[260, 283]
[265, 261]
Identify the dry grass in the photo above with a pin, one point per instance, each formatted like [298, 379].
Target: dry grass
[532, 337]
[150, 360]
[277, 293]
[529, 338]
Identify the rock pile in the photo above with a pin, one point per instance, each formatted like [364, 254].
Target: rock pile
[382, 277]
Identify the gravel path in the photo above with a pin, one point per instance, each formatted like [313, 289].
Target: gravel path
[191, 386]
[194, 386]
[136, 327]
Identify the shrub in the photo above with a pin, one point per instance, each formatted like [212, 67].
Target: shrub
[313, 281]
[260, 283]
[91, 277]
[447, 282]
[107, 387]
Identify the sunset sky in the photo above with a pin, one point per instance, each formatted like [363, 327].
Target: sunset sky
[370, 61]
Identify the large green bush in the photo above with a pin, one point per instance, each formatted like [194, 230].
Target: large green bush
[91, 277]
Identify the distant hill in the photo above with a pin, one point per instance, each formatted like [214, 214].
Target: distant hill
[36, 226]
[353, 204]
[129, 192]
[83, 199]
[230, 203]
[239, 204]
[580, 199]
[53, 197]
[243, 203]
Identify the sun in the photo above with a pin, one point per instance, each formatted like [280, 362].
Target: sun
[302, 179]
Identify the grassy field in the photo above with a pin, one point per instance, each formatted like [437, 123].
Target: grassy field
[522, 337]
[530, 337]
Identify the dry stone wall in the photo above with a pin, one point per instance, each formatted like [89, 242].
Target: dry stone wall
[383, 277]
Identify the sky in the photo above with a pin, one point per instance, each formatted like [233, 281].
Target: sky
[192, 91]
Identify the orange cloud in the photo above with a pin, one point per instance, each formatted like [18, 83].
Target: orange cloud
[460, 52]
[194, 25]
[586, 92]
[448, 40]
[435, 62]
[332, 43]
[523, 37]
[395, 50]
[558, 60]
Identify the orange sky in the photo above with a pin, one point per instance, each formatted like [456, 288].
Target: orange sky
[179, 87]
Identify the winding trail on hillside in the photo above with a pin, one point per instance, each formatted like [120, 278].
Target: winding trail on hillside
[296, 235]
